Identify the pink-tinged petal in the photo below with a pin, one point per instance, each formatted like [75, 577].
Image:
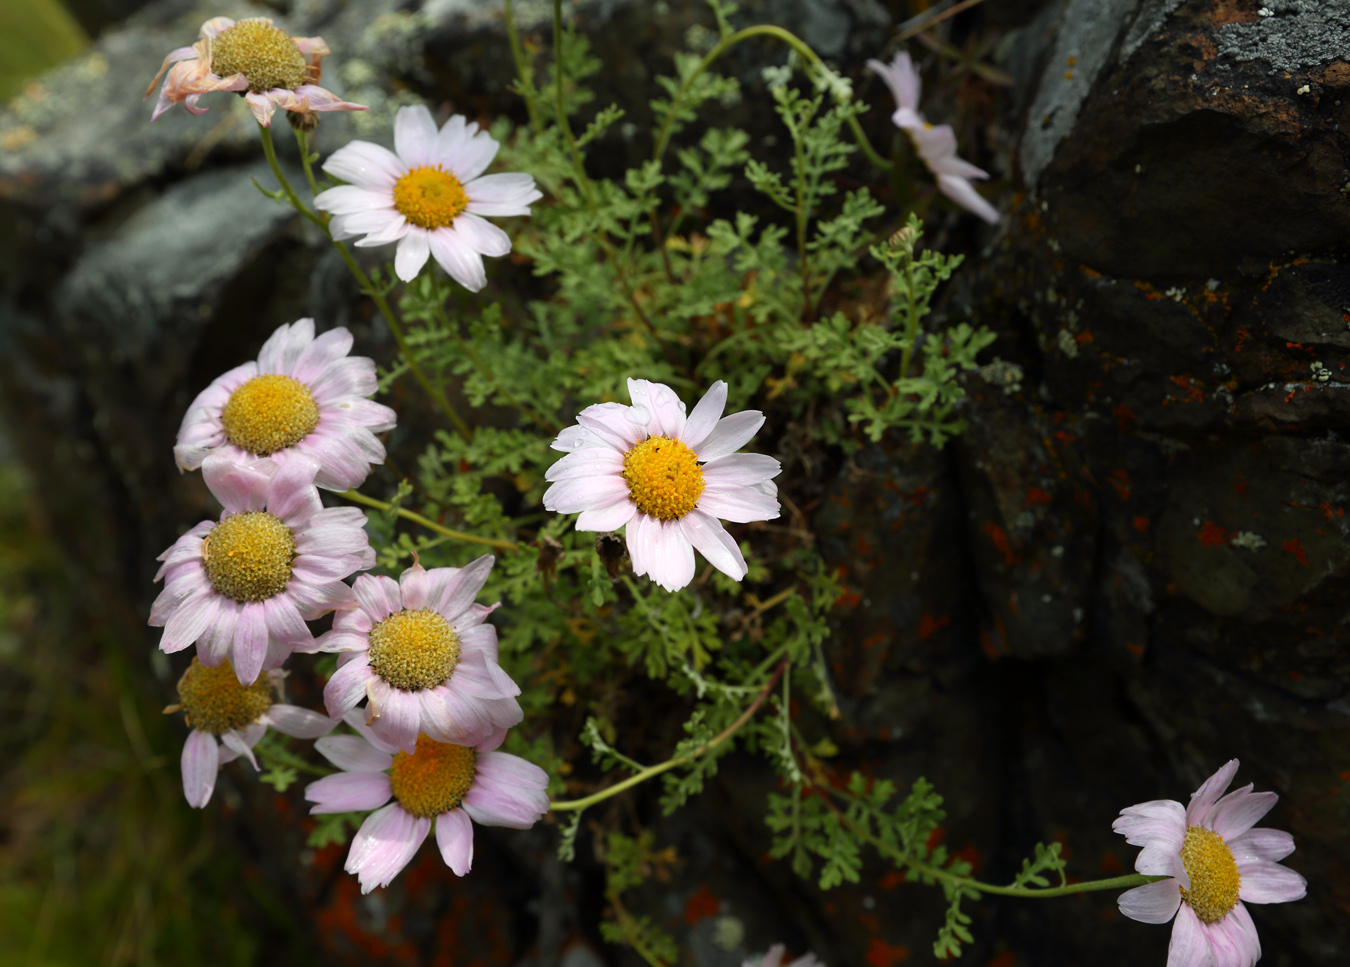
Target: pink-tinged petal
[365, 165]
[214, 645]
[711, 540]
[235, 742]
[348, 685]
[413, 251]
[585, 493]
[591, 462]
[961, 191]
[1227, 946]
[284, 346]
[300, 723]
[415, 587]
[609, 518]
[501, 195]
[1151, 903]
[356, 719]
[454, 838]
[901, 77]
[472, 156]
[262, 106]
[384, 845]
[377, 595]
[189, 621]
[731, 433]
[458, 593]
[239, 487]
[740, 470]
[1271, 845]
[1158, 861]
[456, 254]
[614, 425]
[507, 791]
[414, 136]
[250, 643]
[352, 753]
[200, 762]
[705, 415]
[1239, 811]
[348, 792]
[1239, 924]
[454, 716]
[285, 624]
[1161, 823]
[477, 639]
[1263, 882]
[216, 26]
[1189, 946]
[291, 494]
[483, 236]
[400, 714]
[379, 227]
[1209, 792]
[739, 504]
[311, 97]
[485, 679]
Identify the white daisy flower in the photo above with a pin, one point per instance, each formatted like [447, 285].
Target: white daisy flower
[429, 195]
[666, 477]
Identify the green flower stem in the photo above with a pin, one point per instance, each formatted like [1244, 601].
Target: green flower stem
[302, 139]
[912, 318]
[277, 756]
[362, 279]
[725, 44]
[651, 772]
[360, 498]
[527, 88]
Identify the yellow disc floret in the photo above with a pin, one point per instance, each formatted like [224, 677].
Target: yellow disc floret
[1213, 872]
[414, 650]
[434, 779]
[213, 700]
[269, 413]
[264, 54]
[430, 197]
[664, 478]
[248, 556]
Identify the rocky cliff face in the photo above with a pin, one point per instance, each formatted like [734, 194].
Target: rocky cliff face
[1132, 567]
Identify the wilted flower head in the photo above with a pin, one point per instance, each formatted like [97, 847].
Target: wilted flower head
[666, 477]
[303, 395]
[936, 144]
[1214, 860]
[451, 784]
[269, 66]
[428, 195]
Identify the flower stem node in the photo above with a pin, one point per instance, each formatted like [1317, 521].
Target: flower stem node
[664, 478]
[414, 650]
[248, 556]
[213, 700]
[434, 779]
[269, 413]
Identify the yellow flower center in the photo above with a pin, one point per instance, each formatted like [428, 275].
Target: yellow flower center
[434, 779]
[269, 413]
[248, 556]
[213, 700]
[430, 197]
[1213, 872]
[664, 478]
[264, 54]
[414, 650]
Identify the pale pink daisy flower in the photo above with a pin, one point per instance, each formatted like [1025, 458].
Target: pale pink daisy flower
[223, 712]
[429, 195]
[1214, 861]
[936, 144]
[418, 649]
[242, 588]
[302, 395]
[667, 478]
[274, 68]
[774, 958]
[452, 784]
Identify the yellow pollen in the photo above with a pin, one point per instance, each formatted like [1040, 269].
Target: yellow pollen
[434, 779]
[213, 700]
[269, 413]
[664, 478]
[248, 556]
[1213, 872]
[264, 54]
[430, 197]
[414, 650]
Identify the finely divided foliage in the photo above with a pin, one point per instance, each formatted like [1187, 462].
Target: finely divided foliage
[705, 337]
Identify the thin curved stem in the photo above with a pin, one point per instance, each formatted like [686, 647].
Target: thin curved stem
[527, 88]
[360, 498]
[270, 150]
[651, 772]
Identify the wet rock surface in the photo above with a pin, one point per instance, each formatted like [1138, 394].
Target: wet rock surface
[1132, 567]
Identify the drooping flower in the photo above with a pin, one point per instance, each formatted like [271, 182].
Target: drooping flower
[242, 588]
[272, 69]
[418, 649]
[936, 144]
[666, 478]
[428, 195]
[774, 958]
[452, 784]
[302, 395]
[1214, 861]
[223, 712]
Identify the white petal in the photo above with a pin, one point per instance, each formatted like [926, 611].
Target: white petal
[413, 251]
[414, 136]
